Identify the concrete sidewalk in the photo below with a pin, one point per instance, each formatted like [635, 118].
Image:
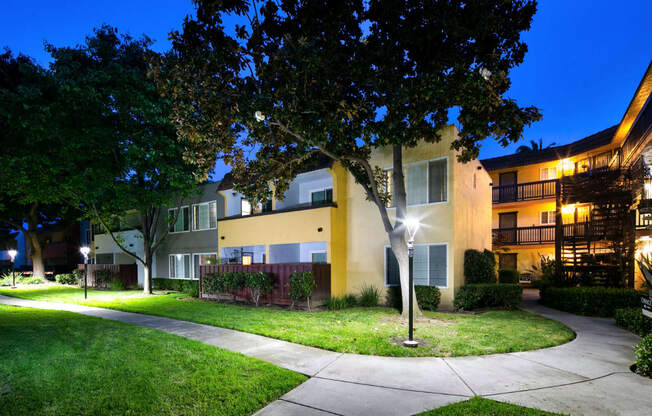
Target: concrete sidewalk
[588, 376]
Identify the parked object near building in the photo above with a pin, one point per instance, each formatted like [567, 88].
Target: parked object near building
[586, 203]
[325, 217]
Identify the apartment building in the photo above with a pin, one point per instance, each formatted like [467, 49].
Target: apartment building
[585, 202]
[191, 242]
[325, 217]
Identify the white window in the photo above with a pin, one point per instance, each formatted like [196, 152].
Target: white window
[427, 182]
[430, 266]
[548, 173]
[180, 266]
[245, 207]
[204, 216]
[547, 217]
[202, 259]
[183, 220]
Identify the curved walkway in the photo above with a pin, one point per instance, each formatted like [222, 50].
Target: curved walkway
[587, 376]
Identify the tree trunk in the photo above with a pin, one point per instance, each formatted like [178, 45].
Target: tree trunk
[397, 236]
[38, 267]
[147, 269]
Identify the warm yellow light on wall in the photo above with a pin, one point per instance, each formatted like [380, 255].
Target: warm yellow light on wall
[246, 260]
[568, 209]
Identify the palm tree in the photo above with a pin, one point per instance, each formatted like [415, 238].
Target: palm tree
[534, 147]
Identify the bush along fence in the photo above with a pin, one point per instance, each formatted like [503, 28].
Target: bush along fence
[189, 287]
[279, 284]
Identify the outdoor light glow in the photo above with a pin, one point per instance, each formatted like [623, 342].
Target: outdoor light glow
[85, 250]
[568, 209]
[566, 166]
[179, 256]
[12, 254]
[259, 116]
[412, 225]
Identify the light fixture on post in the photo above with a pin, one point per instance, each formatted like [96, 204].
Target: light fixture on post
[85, 251]
[13, 253]
[412, 226]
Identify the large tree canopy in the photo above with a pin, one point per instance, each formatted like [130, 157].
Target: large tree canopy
[341, 78]
[31, 173]
[118, 133]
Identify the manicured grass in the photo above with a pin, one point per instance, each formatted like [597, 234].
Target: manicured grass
[60, 363]
[478, 406]
[374, 331]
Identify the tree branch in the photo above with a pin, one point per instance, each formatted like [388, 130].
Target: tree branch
[115, 240]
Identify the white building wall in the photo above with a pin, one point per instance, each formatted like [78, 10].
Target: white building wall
[133, 241]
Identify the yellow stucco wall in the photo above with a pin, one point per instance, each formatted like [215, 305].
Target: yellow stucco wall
[463, 221]
[337, 248]
[278, 228]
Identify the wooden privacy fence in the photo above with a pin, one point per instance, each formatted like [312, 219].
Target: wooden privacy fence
[280, 274]
[126, 273]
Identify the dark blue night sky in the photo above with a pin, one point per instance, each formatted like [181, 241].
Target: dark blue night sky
[585, 57]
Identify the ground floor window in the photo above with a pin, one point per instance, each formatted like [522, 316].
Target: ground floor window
[430, 265]
[507, 261]
[180, 266]
[202, 260]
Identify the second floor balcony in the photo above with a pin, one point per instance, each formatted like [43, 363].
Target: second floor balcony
[544, 234]
[529, 191]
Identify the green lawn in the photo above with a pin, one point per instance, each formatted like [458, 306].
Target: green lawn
[60, 363]
[478, 406]
[375, 331]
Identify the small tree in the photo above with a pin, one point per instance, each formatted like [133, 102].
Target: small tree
[301, 286]
[259, 283]
[341, 80]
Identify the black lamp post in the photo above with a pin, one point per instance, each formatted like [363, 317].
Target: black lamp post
[412, 225]
[12, 254]
[85, 250]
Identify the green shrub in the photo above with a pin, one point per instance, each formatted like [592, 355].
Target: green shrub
[189, 287]
[301, 286]
[66, 279]
[633, 320]
[7, 279]
[258, 284]
[233, 281]
[103, 277]
[428, 297]
[116, 284]
[643, 353]
[369, 296]
[79, 276]
[508, 276]
[590, 301]
[341, 302]
[477, 296]
[479, 267]
[30, 280]
[213, 284]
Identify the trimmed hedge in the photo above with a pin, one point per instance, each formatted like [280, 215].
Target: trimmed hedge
[428, 297]
[189, 287]
[508, 276]
[632, 319]
[479, 266]
[476, 296]
[589, 301]
[66, 279]
[643, 353]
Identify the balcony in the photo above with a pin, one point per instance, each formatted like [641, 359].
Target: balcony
[544, 234]
[529, 191]
[296, 207]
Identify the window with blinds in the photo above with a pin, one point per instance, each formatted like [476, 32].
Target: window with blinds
[548, 217]
[204, 216]
[179, 266]
[427, 182]
[183, 220]
[430, 266]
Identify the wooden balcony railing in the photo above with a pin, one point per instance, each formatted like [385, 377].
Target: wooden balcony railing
[544, 234]
[524, 191]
